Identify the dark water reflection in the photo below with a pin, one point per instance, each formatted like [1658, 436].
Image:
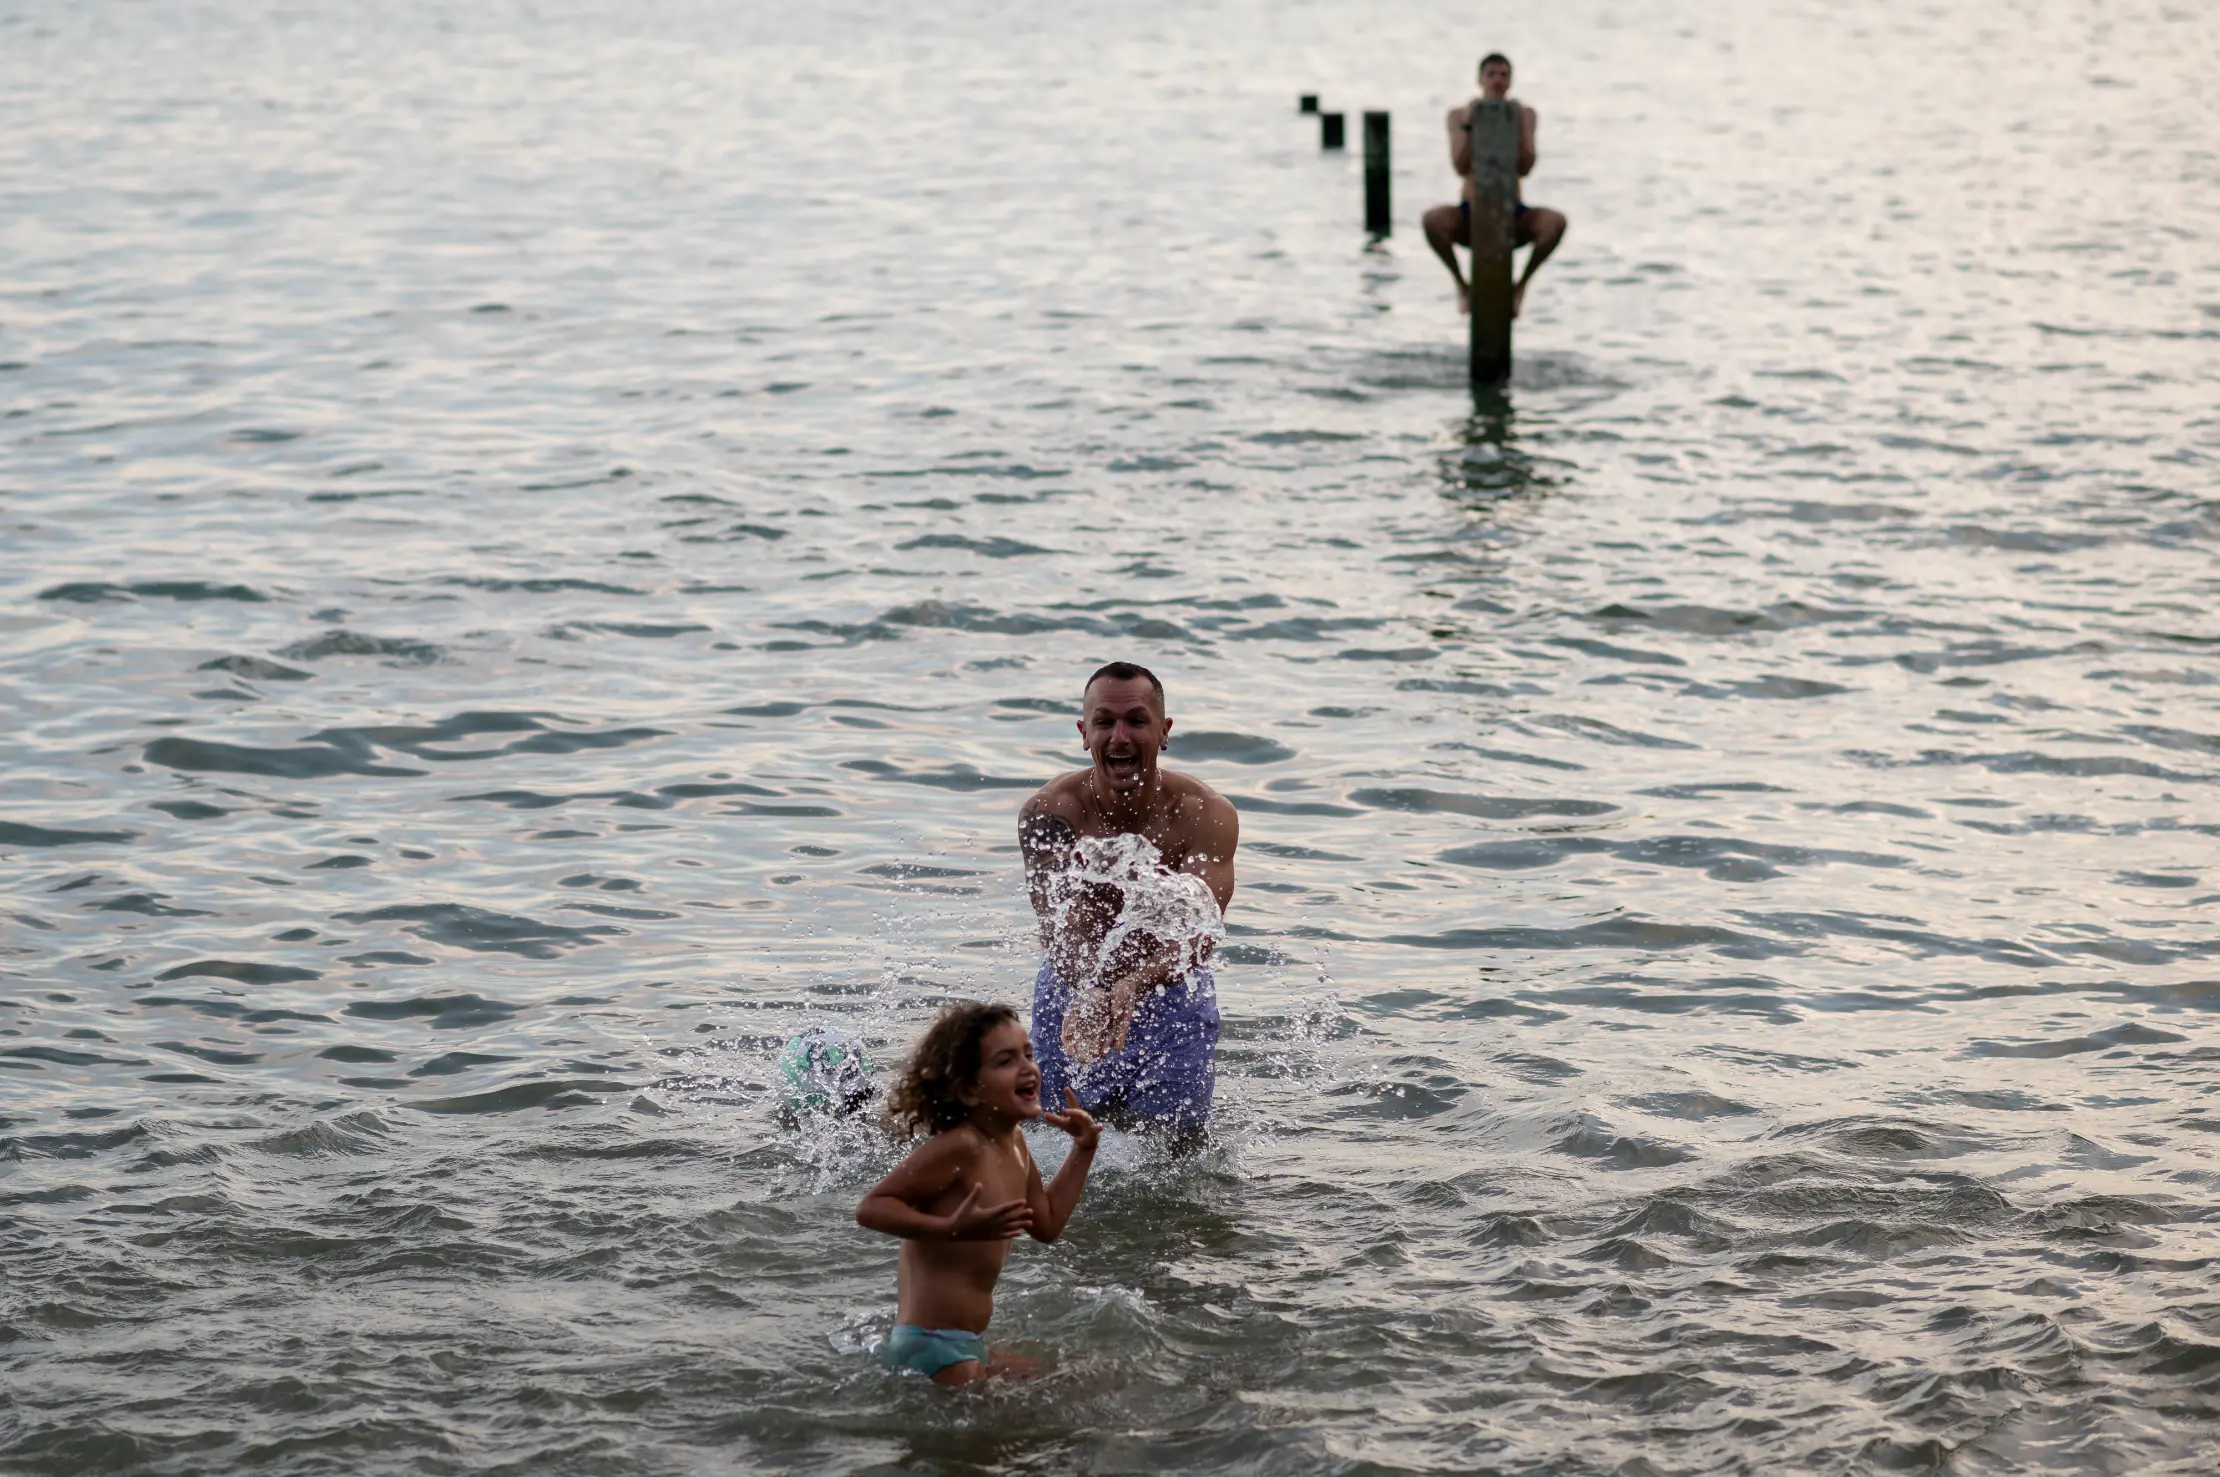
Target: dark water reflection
[543, 547]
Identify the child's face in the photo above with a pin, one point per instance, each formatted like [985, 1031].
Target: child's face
[1008, 1082]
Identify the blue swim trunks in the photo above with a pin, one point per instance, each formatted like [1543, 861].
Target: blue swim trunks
[1169, 1067]
[931, 1350]
[1464, 208]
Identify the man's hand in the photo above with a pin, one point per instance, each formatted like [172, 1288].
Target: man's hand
[1090, 1031]
[1125, 1000]
[1077, 1122]
[1098, 1018]
[1005, 1222]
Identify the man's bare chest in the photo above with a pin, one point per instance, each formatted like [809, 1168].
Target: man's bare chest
[1167, 836]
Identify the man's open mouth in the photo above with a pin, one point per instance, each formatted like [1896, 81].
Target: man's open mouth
[1122, 763]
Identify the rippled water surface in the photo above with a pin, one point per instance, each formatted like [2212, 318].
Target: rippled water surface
[543, 546]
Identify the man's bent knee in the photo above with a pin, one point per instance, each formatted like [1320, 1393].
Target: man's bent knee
[1445, 223]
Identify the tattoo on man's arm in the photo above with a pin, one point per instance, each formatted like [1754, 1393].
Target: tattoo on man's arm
[1045, 838]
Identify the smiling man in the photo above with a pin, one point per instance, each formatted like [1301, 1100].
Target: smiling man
[1142, 1009]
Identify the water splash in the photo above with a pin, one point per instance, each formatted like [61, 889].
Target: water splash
[1158, 912]
[1160, 907]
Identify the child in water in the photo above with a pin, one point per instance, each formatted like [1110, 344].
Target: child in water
[971, 1189]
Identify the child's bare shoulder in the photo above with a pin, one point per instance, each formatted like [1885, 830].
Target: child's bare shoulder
[951, 1148]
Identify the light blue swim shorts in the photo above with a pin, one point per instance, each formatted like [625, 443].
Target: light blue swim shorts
[931, 1350]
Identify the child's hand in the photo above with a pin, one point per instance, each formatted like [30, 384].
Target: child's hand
[1077, 1122]
[1004, 1222]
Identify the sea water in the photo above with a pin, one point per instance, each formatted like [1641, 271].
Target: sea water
[545, 544]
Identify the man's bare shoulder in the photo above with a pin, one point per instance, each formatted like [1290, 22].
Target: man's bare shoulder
[1180, 783]
[1194, 799]
[1060, 797]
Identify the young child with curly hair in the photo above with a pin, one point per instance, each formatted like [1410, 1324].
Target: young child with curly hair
[970, 1189]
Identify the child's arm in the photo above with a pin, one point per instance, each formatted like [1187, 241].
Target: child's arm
[938, 1166]
[1052, 1207]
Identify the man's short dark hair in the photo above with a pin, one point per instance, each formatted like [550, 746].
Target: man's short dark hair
[1493, 56]
[1124, 672]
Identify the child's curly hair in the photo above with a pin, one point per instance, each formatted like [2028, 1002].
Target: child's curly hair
[924, 1097]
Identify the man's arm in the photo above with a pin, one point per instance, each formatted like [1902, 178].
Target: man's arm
[1210, 857]
[1460, 139]
[1526, 140]
[1045, 839]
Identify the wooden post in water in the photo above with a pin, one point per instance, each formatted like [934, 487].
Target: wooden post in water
[1495, 192]
[1378, 217]
[1307, 103]
[1331, 134]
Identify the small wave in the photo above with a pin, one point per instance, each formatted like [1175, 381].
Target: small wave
[146, 904]
[20, 833]
[64, 1057]
[2129, 1034]
[543, 586]
[1297, 628]
[1707, 620]
[1642, 934]
[234, 1010]
[955, 777]
[240, 972]
[483, 931]
[1695, 1105]
[92, 592]
[1487, 807]
[444, 1012]
[256, 668]
[1233, 748]
[637, 630]
[936, 614]
[404, 651]
[990, 548]
[1719, 858]
[1605, 732]
[1592, 1138]
[1613, 652]
[190, 810]
[310, 761]
[1387, 654]
[1303, 438]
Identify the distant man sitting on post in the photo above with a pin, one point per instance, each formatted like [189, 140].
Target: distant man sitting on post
[1450, 226]
[1130, 868]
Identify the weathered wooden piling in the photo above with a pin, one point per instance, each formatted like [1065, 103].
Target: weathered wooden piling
[1378, 216]
[1307, 103]
[1331, 131]
[1494, 205]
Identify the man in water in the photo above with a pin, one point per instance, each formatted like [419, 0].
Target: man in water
[1129, 1023]
[1450, 226]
